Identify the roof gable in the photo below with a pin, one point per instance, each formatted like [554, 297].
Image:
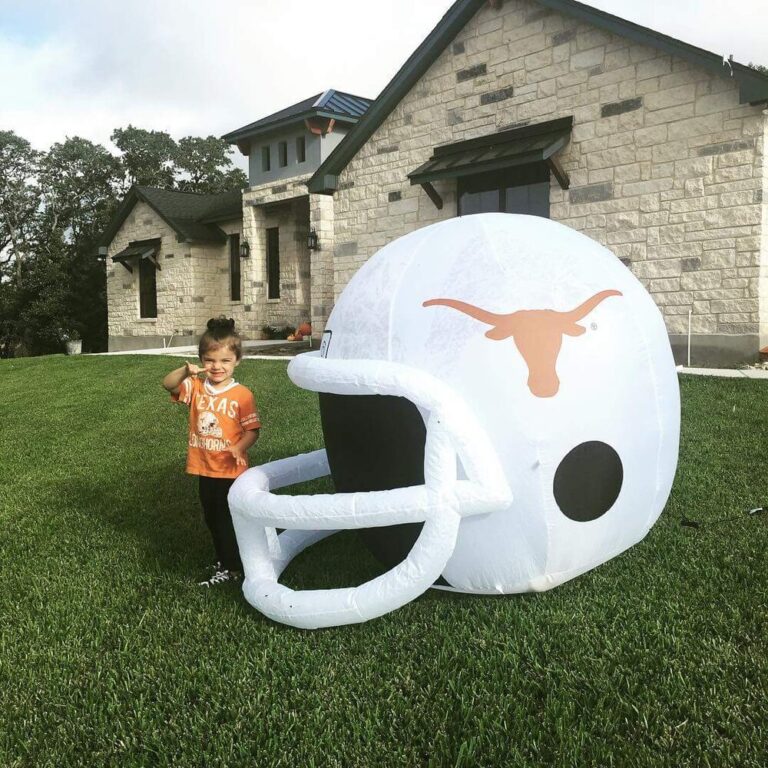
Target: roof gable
[341, 106]
[189, 214]
[753, 85]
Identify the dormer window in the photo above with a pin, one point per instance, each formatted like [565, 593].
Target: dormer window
[301, 149]
[282, 153]
[265, 164]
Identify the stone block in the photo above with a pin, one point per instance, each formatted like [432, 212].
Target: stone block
[591, 194]
[588, 59]
[657, 268]
[661, 65]
[670, 97]
[726, 147]
[471, 72]
[701, 280]
[669, 115]
[665, 284]
[498, 95]
[733, 217]
[651, 137]
[717, 102]
[620, 107]
[563, 37]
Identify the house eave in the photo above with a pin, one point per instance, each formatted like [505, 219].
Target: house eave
[753, 85]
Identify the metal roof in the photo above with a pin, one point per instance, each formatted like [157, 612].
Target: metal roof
[344, 107]
[753, 85]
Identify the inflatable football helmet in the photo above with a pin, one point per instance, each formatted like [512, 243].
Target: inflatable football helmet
[501, 413]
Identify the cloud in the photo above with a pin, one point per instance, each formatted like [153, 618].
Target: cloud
[187, 67]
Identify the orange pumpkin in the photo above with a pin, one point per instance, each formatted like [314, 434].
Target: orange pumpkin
[291, 338]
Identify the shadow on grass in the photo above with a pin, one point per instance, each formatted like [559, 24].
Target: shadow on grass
[150, 513]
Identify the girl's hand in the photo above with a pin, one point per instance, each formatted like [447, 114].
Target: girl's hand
[239, 455]
[194, 370]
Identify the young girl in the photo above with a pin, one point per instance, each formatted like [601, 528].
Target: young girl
[223, 425]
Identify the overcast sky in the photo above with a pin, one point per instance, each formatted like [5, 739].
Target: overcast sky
[195, 67]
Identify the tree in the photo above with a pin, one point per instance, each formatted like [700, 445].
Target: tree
[204, 165]
[80, 181]
[147, 156]
[759, 67]
[19, 197]
[54, 207]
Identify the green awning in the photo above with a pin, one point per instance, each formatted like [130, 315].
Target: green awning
[506, 149]
[144, 249]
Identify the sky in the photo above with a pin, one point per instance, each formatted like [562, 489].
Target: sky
[194, 67]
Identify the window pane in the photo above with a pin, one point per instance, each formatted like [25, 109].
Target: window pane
[265, 159]
[147, 289]
[234, 267]
[282, 153]
[539, 199]
[479, 202]
[301, 149]
[273, 263]
[521, 189]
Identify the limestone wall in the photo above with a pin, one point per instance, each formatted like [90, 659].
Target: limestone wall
[666, 166]
[174, 279]
[285, 206]
[192, 285]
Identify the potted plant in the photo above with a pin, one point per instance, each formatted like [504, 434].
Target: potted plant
[72, 341]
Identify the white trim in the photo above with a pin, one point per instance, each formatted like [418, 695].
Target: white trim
[208, 387]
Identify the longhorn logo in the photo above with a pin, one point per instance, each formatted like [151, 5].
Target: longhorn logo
[538, 335]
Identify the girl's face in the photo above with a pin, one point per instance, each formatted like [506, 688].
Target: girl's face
[220, 363]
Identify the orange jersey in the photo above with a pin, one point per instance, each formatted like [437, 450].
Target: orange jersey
[216, 421]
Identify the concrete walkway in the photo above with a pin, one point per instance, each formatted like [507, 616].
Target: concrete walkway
[251, 352]
[726, 373]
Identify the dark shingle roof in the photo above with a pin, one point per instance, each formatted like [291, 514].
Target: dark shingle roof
[753, 85]
[342, 106]
[189, 214]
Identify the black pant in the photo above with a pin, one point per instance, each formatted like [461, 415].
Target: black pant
[213, 497]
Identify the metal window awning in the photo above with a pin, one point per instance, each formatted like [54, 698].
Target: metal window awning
[518, 146]
[142, 249]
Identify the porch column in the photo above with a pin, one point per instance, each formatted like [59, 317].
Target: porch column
[254, 269]
[321, 262]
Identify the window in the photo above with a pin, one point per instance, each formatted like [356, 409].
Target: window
[282, 153]
[273, 263]
[523, 189]
[147, 288]
[265, 164]
[234, 267]
[301, 149]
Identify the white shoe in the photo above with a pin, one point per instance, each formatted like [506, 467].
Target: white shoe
[220, 577]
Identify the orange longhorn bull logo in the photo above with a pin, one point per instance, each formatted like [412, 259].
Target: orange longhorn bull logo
[538, 335]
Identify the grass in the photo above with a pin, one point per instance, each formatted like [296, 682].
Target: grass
[110, 656]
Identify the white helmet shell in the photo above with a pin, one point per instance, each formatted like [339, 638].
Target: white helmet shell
[543, 371]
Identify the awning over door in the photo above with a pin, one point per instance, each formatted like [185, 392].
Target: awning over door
[142, 249]
[519, 146]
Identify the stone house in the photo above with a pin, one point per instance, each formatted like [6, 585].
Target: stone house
[651, 146]
[175, 259]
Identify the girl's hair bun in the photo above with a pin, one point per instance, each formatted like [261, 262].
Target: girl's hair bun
[221, 324]
[220, 330]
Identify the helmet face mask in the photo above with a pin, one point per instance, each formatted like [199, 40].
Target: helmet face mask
[502, 380]
[375, 443]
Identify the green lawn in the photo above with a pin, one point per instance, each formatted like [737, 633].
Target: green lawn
[111, 656]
